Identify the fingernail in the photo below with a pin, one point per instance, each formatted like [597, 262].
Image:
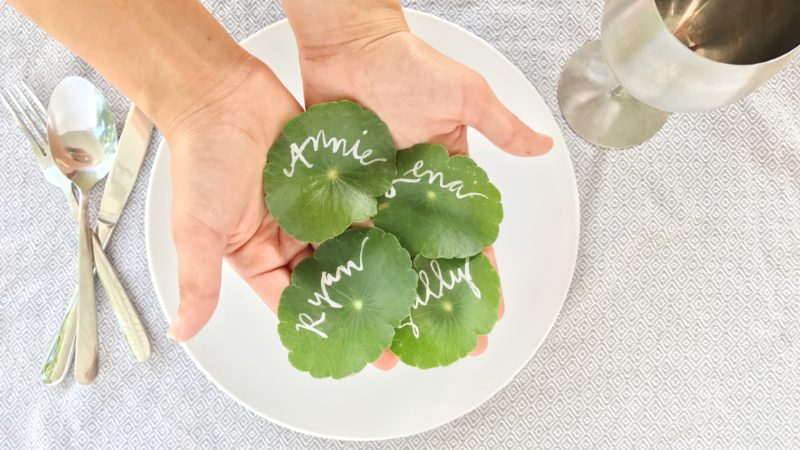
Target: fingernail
[542, 144]
[173, 330]
[386, 361]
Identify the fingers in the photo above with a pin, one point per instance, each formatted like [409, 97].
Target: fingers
[270, 285]
[305, 253]
[200, 252]
[387, 360]
[265, 260]
[483, 342]
[489, 252]
[363, 224]
[455, 142]
[484, 112]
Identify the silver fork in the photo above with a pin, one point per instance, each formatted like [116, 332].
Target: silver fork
[31, 117]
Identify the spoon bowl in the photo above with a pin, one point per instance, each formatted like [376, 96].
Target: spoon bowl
[81, 132]
[82, 137]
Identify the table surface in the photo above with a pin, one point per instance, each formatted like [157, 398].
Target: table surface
[681, 329]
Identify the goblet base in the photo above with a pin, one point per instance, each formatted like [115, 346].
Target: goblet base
[598, 108]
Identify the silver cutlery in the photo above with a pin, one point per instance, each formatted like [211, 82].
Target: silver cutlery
[30, 115]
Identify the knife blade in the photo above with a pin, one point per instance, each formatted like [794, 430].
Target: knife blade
[130, 154]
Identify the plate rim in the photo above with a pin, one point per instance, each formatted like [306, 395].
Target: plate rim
[512, 374]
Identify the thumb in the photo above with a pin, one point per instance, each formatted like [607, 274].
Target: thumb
[484, 112]
[200, 250]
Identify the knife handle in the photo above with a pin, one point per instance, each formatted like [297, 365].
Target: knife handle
[126, 313]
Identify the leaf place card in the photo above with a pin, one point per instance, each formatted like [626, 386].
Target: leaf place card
[327, 170]
[359, 293]
[457, 301]
[344, 302]
[440, 206]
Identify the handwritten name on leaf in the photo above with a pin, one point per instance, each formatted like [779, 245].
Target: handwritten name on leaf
[326, 280]
[334, 144]
[446, 282]
[417, 174]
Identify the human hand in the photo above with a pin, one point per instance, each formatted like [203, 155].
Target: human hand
[369, 56]
[422, 95]
[220, 109]
[218, 148]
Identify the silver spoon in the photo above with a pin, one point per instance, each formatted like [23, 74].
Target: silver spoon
[83, 141]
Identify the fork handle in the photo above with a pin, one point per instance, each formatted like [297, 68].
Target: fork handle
[60, 355]
[85, 368]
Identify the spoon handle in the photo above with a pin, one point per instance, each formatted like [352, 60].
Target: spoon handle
[86, 335]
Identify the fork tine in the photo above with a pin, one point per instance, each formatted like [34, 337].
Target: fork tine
[38, 122]
[16, 110]
[10, 102]
[34, 100]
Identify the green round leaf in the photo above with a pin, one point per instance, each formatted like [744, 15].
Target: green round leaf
[440, 207]
[457, 301]
[340, 311]
[326, 170]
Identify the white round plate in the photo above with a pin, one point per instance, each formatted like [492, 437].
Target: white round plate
[239, 349]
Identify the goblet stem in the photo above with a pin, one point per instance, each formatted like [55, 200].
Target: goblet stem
[599, 108]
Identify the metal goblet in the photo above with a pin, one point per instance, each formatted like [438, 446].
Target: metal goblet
[660, 56]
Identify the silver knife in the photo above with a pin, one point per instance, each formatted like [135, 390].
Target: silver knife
[130, 154]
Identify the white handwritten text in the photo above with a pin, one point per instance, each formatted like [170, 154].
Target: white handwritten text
[417, 174]
[327, 280]
[334, 144]
[461, 274]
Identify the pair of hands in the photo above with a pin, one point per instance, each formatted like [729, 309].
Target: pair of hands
[219, 150]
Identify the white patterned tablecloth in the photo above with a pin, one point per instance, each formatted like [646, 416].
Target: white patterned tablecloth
[681, 329]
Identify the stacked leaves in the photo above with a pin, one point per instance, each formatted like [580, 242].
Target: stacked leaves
[416, 282]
